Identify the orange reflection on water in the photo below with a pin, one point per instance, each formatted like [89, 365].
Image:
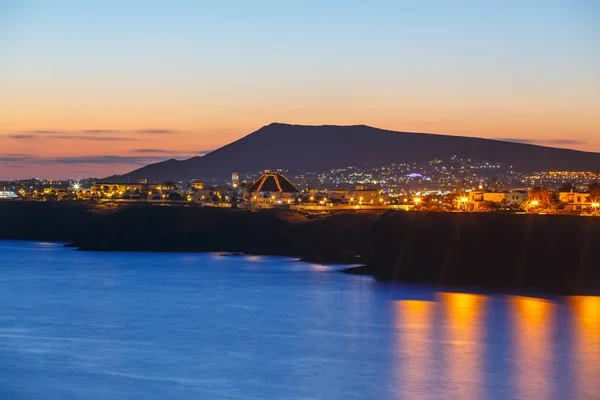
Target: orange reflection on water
[464, 344]
[415, 355]
[532, 321]
[586, 312]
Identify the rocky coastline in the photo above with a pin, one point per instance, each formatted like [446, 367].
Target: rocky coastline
[542, 253]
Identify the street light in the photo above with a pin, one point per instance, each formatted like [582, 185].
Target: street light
[417, 200]
[534, 203]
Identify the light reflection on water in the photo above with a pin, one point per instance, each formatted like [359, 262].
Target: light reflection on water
[464, 343]
[587, 345]
[443, 347]
[188, 326]
[414, 347]
[533, 352]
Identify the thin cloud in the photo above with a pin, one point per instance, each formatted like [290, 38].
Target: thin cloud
[106, 160]
[156, 131]
[98, 138]
[101, 131]
[44, 132]
[61, 134]
[544, 141]
[11, 158]
[171, 152]
[23, 136]
[28, 136]
[24, 160]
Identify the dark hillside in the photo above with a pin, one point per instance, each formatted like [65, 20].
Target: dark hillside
[317, 148]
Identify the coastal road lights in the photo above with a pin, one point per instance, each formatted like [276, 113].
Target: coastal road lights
[417, 200]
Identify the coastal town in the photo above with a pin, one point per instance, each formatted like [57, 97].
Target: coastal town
[457, 186]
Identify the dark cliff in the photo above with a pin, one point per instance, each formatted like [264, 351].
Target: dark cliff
[558, 254]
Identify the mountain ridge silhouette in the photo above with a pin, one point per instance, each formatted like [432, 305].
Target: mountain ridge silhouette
[323, 147]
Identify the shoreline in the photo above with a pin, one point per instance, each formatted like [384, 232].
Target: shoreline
[362, 270]
[499, 252]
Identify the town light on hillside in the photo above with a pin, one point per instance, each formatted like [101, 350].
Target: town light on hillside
[534, 203]
[464, 199]
[417, 200]
[595, 204]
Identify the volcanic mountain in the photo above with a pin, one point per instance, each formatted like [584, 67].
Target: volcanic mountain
[319, 148]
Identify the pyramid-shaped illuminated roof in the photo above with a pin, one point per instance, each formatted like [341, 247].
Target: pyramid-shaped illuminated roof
[269, 182]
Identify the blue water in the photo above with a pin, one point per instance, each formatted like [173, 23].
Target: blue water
[77, 325]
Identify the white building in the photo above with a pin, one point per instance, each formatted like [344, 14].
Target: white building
[7, 195]
[511, 197]
[577, 201]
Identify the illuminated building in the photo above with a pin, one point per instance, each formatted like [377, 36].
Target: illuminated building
[271, 188]
[366, 194]
[338, 194]
[113, 189]
[197, 184]
[476, 197]
[235, 180]
[7, 195]
[576, 201]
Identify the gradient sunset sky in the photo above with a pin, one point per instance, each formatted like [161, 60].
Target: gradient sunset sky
[93, 88]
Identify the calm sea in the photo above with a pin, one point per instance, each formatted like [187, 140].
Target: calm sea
[78, 325]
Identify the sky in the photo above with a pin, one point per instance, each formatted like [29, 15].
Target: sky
[93, 88]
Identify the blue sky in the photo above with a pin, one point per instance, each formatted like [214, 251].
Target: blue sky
[214, 71]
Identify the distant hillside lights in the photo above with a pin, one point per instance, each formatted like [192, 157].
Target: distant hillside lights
[376, 190]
